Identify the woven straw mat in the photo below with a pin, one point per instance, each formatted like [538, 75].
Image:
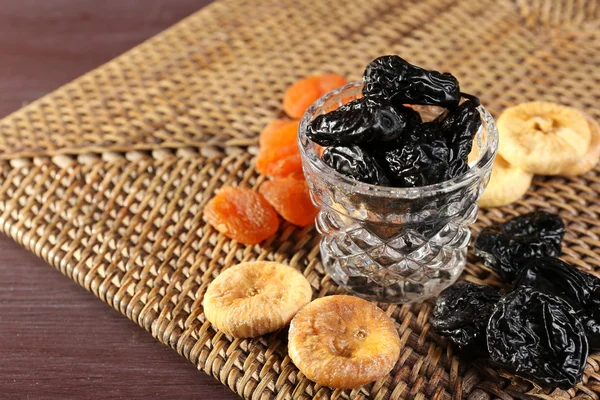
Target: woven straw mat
[105, 178]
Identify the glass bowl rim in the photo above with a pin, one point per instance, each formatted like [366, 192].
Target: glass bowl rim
[309, 155]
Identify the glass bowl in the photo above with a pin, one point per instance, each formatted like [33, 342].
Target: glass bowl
[394, 245]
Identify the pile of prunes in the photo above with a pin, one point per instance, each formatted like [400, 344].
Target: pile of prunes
[379, 139]
[542, 327]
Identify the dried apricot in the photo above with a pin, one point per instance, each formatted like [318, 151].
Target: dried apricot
[242, 215]
[254, 298]
[291, 199]
[279, 132]
[343, 342]
[279, 162]
[306, 91]
[279, 155]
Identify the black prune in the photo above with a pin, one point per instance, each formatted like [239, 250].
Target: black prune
[355, 163]
[412, 164]
[582, 291]
[505, 247]
[462, 312]
[422, 132]
[459, 128]
[360, 121]
[537, 336]
[404, 83]
[426, 132]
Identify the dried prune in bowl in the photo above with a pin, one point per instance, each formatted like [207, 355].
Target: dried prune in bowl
[461, 313]
[582, 291]
[459, 128]
[539, 337]
[391, 244]
[360, 121]
[354, 162]
[415, 164]
[394, 78]
[505, 247]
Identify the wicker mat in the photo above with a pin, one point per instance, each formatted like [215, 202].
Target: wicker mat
[106, 177]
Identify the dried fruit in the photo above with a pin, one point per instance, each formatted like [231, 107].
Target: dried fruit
[304, 92]
[291, 199]
[360, 121]
[582, 291]
[590, 159]
[416, 163]
[355, 163]
[242, 215]
[507, 184]
[543, 138]
[404, 83]
[462, 312]
[343, 342]
[254, 298]
[539, 337]
[504, 247]
[279, 155]
[279, 161]
[279, 132]
[459, 128]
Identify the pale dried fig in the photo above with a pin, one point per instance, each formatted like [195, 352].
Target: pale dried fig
[543, 138]
[508, 184]
[343, 342]
[254, 298]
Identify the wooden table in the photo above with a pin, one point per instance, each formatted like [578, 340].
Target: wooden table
[102, 355]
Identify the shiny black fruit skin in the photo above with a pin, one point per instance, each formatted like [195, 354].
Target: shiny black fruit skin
[361, 121]
[538, 336]
[355, 163]
[581, 290]
[506, 247]
[459, 128]
[403, 83]
[461, 313]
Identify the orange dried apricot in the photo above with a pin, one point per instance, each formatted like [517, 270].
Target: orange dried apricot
[306, 91]
[279, 163]
[242, 215]
[279, 155]
[291, 199]
[278, 132]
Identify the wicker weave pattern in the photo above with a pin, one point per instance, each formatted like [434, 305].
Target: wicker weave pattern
[106, 177]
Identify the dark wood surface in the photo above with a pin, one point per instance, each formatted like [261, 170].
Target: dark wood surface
[58, 341]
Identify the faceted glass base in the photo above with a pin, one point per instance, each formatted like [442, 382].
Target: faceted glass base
[404, 268]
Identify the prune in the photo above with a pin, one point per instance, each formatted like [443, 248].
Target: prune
[426, 132]
[404, 83]
[580, 290]
[360, 121]
[505, 247]
[538, 336]
[462, 312]
[459, 128]
[413, 164]
[355, 163]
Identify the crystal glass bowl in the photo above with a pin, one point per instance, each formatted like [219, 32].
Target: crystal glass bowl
[394, 245]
